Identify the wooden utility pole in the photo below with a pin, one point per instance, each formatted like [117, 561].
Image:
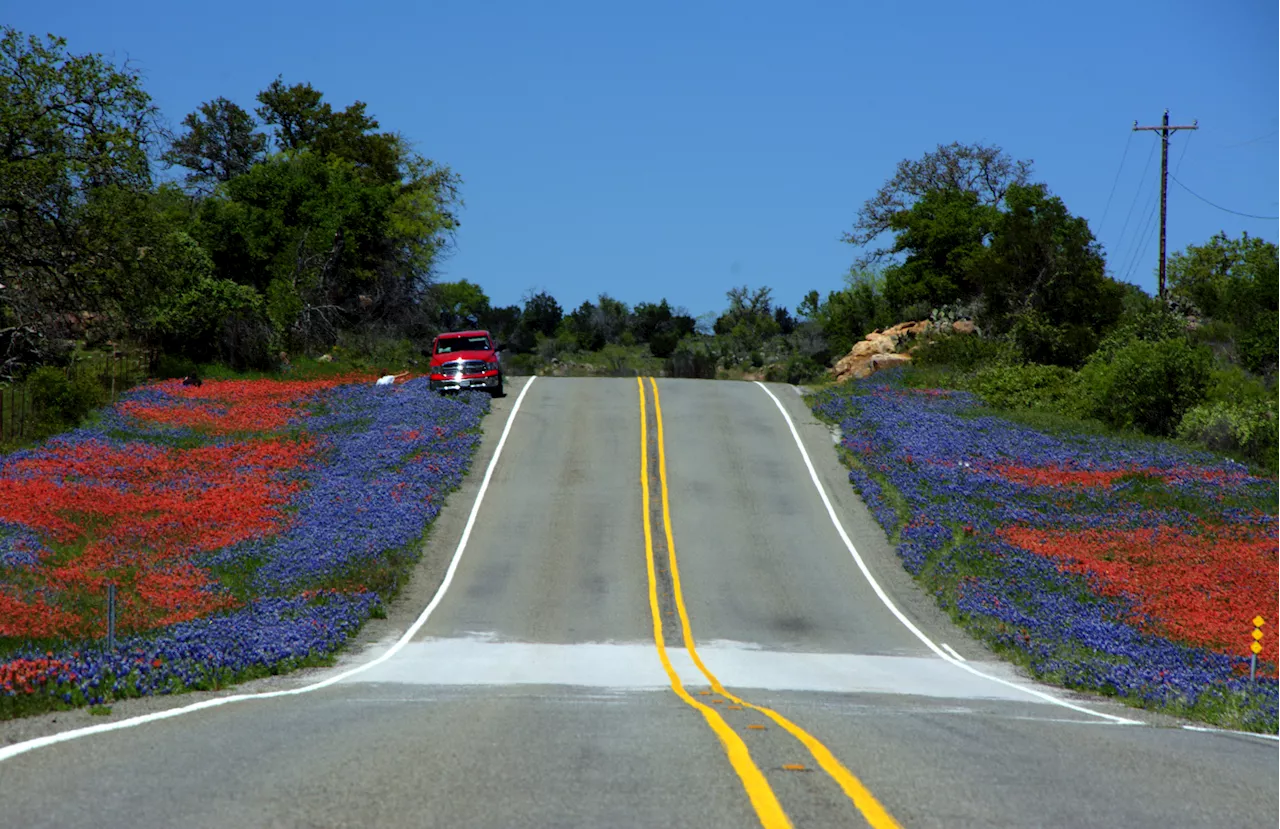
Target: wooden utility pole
[1165, 130]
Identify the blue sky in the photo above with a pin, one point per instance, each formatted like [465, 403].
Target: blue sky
[676, 149]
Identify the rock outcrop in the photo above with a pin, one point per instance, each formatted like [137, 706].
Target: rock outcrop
[881, 349]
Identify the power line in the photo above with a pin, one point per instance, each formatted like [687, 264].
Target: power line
[1143, 239]
[1251, 140]
[1123, 156]
[1137, 196]
[1220, 207]
[1144, 227]
[1177, 168]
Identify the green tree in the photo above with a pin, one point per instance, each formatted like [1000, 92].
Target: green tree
[847, 315]
[749, 317]
[581, 324]
[541, 314]
[310, 234]
[661, 326]
[463, 304]
[1211, 274]
[503, 322]
[650, 318]
[940, 234]
[1043, 278]
[1234, 281]
[985, 171]
[596, 324]
[304, 120]
[74, 127]
[221, 142]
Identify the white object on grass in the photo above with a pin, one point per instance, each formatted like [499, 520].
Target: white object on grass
[386, 380]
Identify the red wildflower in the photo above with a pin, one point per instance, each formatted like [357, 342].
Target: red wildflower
[1200, 588]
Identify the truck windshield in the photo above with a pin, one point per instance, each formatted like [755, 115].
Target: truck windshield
[452, 344]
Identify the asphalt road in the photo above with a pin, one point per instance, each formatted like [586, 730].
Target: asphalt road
[540, 691]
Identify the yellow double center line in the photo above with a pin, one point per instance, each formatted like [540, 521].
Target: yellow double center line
[757, 786]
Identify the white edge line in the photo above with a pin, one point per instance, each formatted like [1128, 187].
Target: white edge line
[952, 651]
[52, 739]
[1206, 730]
[884, 597]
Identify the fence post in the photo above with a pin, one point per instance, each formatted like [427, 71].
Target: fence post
[111, 615]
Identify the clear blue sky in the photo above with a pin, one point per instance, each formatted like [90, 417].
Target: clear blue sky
[679, 148]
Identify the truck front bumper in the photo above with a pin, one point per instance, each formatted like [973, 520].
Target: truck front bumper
[459, 383]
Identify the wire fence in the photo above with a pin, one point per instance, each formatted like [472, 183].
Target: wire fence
[115, 372]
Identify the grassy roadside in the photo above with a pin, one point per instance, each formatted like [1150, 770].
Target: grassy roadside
[292, 599]
[1056, 543]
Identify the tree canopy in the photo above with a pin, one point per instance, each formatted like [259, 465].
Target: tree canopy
[221, 142]
[986, 171]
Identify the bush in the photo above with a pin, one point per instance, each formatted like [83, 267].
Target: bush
[1031, 386]
[168, 366]
[1247, 429]
[692, 359]
[797, 369]
[1257, 343]
[1149, 320]
[1232, 384]
[519, 365]
[1046, 341]
[965, 352]
[1147, 385]
[60, 403]
[663, 343]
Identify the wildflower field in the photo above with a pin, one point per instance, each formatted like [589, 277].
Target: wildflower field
[250, 526]
[1125, 566]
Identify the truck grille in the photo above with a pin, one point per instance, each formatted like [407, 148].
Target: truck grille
[464, 367]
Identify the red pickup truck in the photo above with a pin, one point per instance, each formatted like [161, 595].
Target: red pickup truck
[465, 360]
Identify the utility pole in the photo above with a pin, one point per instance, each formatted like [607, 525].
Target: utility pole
[1165, 130]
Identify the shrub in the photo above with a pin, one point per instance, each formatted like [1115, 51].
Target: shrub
[1257, 343]
[965, 352]
[518, 365]
[168, 366]
[1030, 386]
[1147, 385]
[1248, 429]
[663, 343]
[1150, 320]
[797, 369]
[691, 359]
[1044, 340]
[60, 403]
[1232, 384]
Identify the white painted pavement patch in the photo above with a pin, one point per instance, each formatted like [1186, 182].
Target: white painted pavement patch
[481, 661]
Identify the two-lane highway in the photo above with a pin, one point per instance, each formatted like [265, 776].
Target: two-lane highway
[655, 621]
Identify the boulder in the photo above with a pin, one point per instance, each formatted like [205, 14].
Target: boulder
[963, 327]
[874, 344]
[907, 329]
[877, 351]
[880, 362]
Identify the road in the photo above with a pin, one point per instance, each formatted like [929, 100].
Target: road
[556, 682]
